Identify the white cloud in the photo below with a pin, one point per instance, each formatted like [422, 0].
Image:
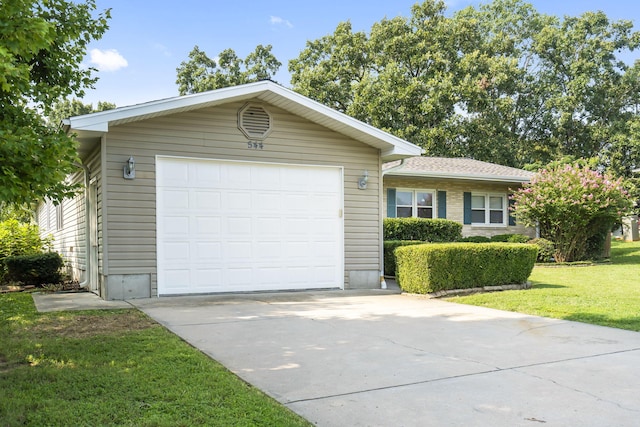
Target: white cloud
[107, 60]
[276, 20]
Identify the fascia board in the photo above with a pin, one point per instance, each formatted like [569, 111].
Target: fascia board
[99, 122]
[471, 177]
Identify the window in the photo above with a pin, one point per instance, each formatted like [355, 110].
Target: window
[415, 203]
[488, 209]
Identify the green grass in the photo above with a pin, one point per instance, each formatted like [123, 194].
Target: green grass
[116, 367]
[605, 294]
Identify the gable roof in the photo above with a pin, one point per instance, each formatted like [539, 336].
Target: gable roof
[450, 167]
[92, 126]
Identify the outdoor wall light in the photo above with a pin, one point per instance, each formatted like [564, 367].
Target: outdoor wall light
[130, 168]
[362, 181]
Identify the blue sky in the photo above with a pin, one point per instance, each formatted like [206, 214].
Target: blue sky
[138, 56]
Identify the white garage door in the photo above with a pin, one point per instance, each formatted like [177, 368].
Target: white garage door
[227, 226]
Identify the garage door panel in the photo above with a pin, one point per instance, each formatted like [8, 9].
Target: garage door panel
[178, 280]
[207, 200]
[268, 227]
[206, 175]
[177, 250]
[174, 199]
[208, 251]
[233, 226]
[174, 225]
[237, 200]
[207, 225]
[173, 174]
[241, 250]
[205, 278]
[267, 250]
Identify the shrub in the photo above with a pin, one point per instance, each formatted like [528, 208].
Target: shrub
[510, 238]
[36, 269]
[546, 249]
[475, 239]
[569, 203]
[429, 268]
[18, 238]
[426, 230]
[390, 257]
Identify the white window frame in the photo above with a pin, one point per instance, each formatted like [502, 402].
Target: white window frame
[487, 210]
[414, 201]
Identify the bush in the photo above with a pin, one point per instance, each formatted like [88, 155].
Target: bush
[34, 269]
[426, 230]
[570, 203]
[546, 249]
[475, 239]
[18, 238]
[429, 268]
[510, 238]
[390, 257]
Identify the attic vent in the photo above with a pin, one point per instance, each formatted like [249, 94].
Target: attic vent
[254, 121]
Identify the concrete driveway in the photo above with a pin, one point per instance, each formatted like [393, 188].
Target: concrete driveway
[349, 358]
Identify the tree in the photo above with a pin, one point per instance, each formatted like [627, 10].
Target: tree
[74, 107]
[501, 82]
[570, 204]
[399, 78]
[201, 73]
[42, 45]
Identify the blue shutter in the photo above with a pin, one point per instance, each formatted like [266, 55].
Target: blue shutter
[442, 204]
[512, 219]
[391, 202]
[467, 207]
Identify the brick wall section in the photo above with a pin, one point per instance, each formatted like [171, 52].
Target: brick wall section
[455, 189]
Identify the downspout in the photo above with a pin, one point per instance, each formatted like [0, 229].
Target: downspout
[87, 224]
[383, 283]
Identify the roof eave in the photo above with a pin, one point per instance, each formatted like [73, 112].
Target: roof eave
[391, 146]
[470, 177]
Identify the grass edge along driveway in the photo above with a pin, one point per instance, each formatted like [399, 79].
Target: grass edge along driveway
[116, 367]
[605, 294]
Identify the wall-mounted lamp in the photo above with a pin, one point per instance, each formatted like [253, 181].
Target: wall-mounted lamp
[362, 181]
[130, 168]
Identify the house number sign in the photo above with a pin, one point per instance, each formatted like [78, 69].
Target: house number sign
[255, 145]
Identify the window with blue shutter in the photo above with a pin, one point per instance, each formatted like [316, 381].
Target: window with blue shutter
[466, 201]
[442, 204]
[391, 202]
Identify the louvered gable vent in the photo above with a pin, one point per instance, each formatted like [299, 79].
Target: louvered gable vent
[254, 121]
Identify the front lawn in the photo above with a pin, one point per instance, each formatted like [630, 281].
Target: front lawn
[116, 367]
[605, 294]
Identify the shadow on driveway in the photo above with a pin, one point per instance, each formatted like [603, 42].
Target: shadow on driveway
[378, 359]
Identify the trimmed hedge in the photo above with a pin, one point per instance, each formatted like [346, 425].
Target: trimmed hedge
[426, 230]
[36, 270]
[430, 268]
[475, 239]
[510, 238]
[506, 238]
[390, 257]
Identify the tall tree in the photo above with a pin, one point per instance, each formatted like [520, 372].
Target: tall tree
[66, 108]
[42, 45]
[201, 73]
[398, 78]
[501, 82]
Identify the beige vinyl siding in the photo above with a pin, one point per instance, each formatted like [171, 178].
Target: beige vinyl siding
[213, 133]
[95, 169]
[65, 223]
[455, 189]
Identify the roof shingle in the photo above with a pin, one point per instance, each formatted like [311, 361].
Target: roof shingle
[451, 167]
